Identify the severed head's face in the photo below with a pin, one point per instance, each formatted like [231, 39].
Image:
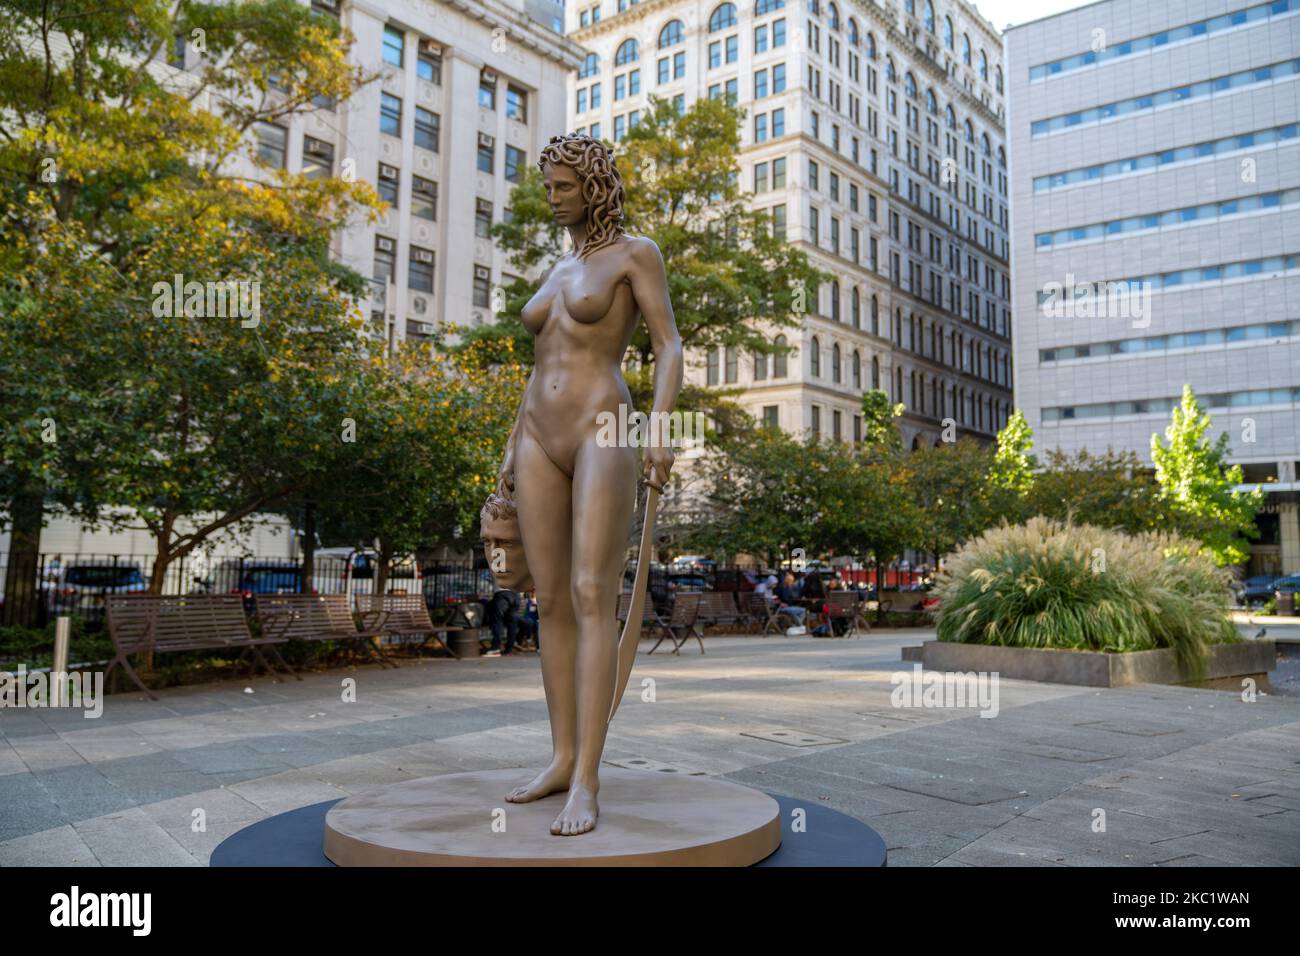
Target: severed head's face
[502, 545]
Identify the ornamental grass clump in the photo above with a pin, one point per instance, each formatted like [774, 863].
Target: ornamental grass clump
[1050, 584]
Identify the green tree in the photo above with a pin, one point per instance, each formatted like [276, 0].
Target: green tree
[1110, 490]
[119, 172]
[949, 484]
[879, 429]
[1013, 466]
[1194, 476]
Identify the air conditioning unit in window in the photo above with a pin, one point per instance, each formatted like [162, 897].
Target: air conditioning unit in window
[387, 172]
[489, 74]
[482, 272]
[426, 328]
[318, 147]
[485, 139]
[421, 255]
[429, 46]
[384, 245]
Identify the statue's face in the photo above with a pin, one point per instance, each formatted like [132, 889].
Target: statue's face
[505, 554]
[564, 193]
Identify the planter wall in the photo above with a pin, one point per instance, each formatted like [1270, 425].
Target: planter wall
[1095, 668]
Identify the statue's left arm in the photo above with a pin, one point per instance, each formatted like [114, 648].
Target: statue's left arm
[650, 289]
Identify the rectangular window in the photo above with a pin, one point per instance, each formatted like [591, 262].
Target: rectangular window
[427, 128]
[390, 114]
[424, 198]
[760, 84]
[419, 270]
[595, 97]
[835, 424]
[760, 127]
[620, 87]
[634, 83]
[778, 173]
[715, 55]
[679, 104]
[813, 179]
[272, 141]
[778, 122]
[760, 177]
[317, 158]
[711, 367]
[582, 100]
[760, 39]
[389, 184]
[816, 421]
[515, 162]
[487, 93]
[679, 65]
[731, 370]
[428, 66]
[732, 92]
[486, 153]
[595, 131]
[394, 40]
[663, 69]
[482, 218]
[778, 78]
[814, 225]
[771, 416]
[517, 104]
[778, 33]
[733, 49]
[778, 221]
[384, 261]
[482, 290]
[620, 127]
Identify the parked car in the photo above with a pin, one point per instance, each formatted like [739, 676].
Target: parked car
[266, 578]
[1257, 590]
[81, 588]
[688, 582]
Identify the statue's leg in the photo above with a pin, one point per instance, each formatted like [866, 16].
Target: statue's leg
[604, 493]
[542, 496]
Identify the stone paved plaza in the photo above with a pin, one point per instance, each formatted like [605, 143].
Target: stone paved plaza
[1185, 776]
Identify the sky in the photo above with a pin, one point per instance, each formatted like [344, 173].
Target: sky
[1003, 12]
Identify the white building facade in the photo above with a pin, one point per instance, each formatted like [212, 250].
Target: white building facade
[873, 134]
[1156, 162]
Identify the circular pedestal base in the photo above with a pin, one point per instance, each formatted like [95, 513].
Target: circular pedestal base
[812, 835]
[463, 819]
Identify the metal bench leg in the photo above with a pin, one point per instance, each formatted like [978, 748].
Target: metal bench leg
[130, 672]
[283, 663]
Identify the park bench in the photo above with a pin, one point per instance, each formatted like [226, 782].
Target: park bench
[846, 605]
[139, 623]
[649, 616]
[717, 608]
[686, 608]
[317, 617]
[402, 616]
[902, 600]
[762, 612]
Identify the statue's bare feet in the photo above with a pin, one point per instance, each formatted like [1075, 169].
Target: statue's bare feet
[579, 813]
[553, 779]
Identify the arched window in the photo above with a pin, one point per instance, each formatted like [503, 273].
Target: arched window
[853, 32]
[909, 85]
[870, 45]
[984, 66]
[835, 301]
[931, 103]
[947, 32]
[984, 145]
[927, 16]
[724, 16]
[970, 132]
[779, 357]
[965, 49]
[875, 316]
[890, 75]
[857, 370]
[833, 17]
[1002, 157]
[815, 7]
[898, 384]
[875, 371]
[672, 34]
[950, 117]
[815, 357]
[590, 66]
[857, 308]
[997, 73]
[767, 6]
[628, 52]
[760, 366]
[835, 363]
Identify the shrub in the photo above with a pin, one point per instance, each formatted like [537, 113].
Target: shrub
[1051, 584]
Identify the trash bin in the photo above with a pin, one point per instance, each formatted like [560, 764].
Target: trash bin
[465, 643]
[1285, 603]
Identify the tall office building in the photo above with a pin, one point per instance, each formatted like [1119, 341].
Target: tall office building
[468, 93]
[1156, 205]
[873, 134]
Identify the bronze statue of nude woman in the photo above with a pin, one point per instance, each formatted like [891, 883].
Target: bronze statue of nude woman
[574, 496]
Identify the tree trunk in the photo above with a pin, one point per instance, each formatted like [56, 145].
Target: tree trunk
[27, 511]
[308, 547]
[383, 557]
[880, 594]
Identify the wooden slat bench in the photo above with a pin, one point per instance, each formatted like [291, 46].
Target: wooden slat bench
[317, 617]
[171, 623]
[649, 616]
[761, 612]
[686, 608]
[846, 605]
[717, 608]
[403, 616]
